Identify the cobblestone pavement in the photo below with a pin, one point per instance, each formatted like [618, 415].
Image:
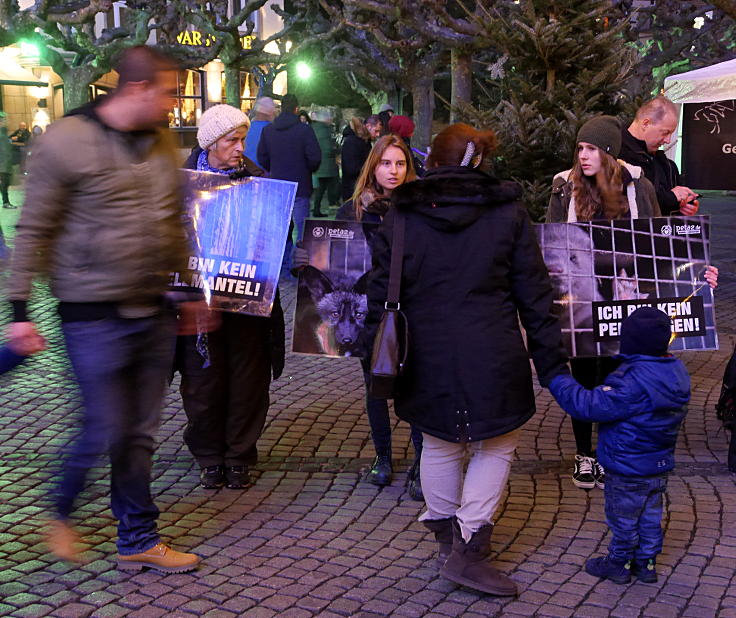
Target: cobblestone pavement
[310, 538]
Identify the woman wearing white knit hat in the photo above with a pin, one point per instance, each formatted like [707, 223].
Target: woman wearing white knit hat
[226, 374]
[222, 129]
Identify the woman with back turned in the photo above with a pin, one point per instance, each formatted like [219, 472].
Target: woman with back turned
[471, 268]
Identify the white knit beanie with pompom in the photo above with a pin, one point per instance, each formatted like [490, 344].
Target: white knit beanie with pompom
[217, 121]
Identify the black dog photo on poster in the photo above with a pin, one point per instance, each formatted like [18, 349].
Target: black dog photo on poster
[603, 270]
[331, 303]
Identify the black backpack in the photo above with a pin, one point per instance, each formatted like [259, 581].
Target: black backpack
[726, 406]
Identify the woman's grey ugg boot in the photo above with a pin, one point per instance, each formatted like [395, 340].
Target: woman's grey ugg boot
[468, 563]
[442, 529]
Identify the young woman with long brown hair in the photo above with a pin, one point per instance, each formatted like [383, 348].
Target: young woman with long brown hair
[389, 165]
[598, 186]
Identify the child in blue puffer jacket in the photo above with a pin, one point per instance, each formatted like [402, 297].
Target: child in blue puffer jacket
[640, 407]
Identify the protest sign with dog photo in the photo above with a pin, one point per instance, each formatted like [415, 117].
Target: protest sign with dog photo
[603, 270]
[331, 303]
[238, 233]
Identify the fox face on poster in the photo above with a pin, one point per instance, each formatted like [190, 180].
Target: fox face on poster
[331, 298]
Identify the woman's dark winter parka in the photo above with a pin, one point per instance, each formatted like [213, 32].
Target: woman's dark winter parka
[472, 267]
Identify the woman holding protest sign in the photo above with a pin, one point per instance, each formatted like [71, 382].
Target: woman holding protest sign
[471, 268]
[389, 165]
[599, 186]
[226, 373]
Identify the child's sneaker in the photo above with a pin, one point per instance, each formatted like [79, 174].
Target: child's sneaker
[644, 570]
[582, 475]
[606, 568]
[600, 475]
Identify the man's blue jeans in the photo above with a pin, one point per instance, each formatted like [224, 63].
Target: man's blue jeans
[634, 515]
[122, 367]
[298, 215]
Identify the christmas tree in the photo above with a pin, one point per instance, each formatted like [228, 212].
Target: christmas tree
[557, 64]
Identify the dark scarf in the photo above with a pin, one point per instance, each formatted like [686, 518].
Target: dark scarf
[372, 202]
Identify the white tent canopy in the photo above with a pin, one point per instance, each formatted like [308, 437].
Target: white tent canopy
[714, 83]
[13, 74]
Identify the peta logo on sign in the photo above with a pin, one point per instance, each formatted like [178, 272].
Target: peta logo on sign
[340, 233]
[666, 230]
[685, 230]
[318, 232]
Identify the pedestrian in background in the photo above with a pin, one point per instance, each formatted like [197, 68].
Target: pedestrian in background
[265, 112]
[385, 112]
[19, 139]
[654, 126]
[6, 167]
[109, 231]
[374, 126]
[327, 174]
[356, 145]
[289, 150]
[227, 372]
[472, 269]
[403, 126]
[640, 407]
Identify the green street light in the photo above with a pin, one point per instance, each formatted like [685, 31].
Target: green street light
[303, 70]
[28, 49]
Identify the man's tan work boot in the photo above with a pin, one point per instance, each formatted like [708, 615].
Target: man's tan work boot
[63, 542]
[160, 557]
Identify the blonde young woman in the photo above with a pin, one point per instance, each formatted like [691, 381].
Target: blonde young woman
[389, 165]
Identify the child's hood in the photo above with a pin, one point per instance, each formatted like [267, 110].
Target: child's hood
[663, 378]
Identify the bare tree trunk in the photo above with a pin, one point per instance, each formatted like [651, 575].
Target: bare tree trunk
[422, 93]
[462, 80]
[232, 85]
[551, 79]
[77, 81]
[395, 100]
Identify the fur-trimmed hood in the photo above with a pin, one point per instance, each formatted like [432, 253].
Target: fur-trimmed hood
[454, 197]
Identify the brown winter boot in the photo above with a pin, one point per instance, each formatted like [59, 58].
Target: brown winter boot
[468, 563]
[442, 529]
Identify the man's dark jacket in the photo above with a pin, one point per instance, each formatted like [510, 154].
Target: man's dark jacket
[661, 171]
[353, 154]
[22, 136]
[289, 150]
[472, 269]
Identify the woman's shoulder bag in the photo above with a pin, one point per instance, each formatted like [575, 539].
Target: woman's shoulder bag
[391, 345]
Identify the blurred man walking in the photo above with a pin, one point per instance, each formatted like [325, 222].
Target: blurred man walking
[103, 208]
